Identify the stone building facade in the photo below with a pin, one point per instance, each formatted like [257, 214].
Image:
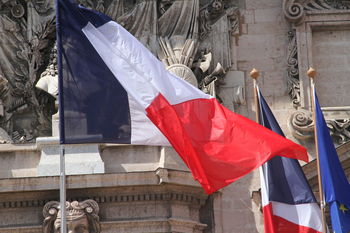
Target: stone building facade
[149, 189]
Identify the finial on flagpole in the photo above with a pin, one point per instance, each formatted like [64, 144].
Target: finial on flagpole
[254, 73]
[311, 72]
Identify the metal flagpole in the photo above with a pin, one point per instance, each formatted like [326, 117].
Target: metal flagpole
[312, 73]
[63, 190]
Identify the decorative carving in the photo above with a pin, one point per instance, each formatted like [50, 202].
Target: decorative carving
[184, 72]
[336, 4]
[340, 130]
[301, 125]
[180, 32]
[233, 15]
[48, 80]
[208, 83]
[293, 70]
[173, 29]
[81, 217]
[295, 10]
[118, 198]
[27, 32]
[211, 12]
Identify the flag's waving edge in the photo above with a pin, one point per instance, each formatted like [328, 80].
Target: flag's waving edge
[289, 205]
[217, 145]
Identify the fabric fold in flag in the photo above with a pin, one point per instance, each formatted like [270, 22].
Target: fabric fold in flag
[289, 205]
[336, 187]
[101, 61]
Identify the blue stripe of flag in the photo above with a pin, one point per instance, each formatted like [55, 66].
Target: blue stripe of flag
[93, 105]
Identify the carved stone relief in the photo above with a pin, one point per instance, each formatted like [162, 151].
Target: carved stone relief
[27, 31]
[82, 217]
[302, 127]
[183, 34]
[301, 124]
[192, 38]
[292, 69]
[303, 16]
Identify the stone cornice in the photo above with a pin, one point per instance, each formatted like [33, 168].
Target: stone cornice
[174, 195]
[145, 186]
[95, 181]
[7, 147]
[295, 10]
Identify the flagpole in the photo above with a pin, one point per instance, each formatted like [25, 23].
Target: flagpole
[255, 74]
[312, 73]
[63, 190]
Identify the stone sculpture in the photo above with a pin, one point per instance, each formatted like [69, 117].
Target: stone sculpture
[191, 37]
[171, 30]
[82, 217]
[27, 31]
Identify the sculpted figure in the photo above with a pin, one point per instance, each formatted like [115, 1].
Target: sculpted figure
[141, 21]
[82, 217]
[48, 81]
[27, 31]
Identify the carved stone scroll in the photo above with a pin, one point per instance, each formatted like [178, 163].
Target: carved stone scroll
[294, 10]
[301, 125]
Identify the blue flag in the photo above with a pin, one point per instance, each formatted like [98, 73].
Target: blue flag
[336, 187]
[289, 204]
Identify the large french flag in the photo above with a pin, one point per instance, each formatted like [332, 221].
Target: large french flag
[289, 205]
[112, 89]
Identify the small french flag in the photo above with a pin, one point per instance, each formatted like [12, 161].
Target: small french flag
[289, 205]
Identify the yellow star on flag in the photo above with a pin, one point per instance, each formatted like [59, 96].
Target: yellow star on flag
[343, 208]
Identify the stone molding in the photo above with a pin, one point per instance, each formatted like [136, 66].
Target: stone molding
[96, 181]
[295, 10]
[179, 196]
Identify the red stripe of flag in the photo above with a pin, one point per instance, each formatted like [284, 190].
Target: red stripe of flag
[276, 224]
[218, 145]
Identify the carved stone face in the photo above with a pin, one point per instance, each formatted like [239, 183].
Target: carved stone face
[82, 217]
[80, 225]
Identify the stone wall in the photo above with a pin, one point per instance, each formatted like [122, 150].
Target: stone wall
[261, 45]
[330, 50]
